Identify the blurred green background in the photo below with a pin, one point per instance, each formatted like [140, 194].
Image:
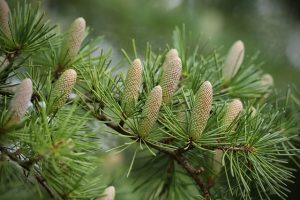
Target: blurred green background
[271, 27]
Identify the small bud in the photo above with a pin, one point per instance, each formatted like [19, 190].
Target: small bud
[170, 75]
[201, 110]
[132, 85]
[109, 193]
[233, 60]
[267, 81]
[62, 89]
[151, 111]
[233, 110]
[4, 17]
[19, 103]
[74, 39]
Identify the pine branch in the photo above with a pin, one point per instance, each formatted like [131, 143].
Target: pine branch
[26, 165]
[176, 155]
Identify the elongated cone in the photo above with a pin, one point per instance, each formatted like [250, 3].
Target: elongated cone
[233, 110]
[62, 89]
[4, 17]
[201, 110]
[233, 60]
[132, 85]
[109, 193]
[170, 75]
[150, 112]
[19, 103]
[172, 53]
[74, 39]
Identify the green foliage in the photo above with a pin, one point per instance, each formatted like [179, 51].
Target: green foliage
[60, 154]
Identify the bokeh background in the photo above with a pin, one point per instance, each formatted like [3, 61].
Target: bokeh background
[271, 27]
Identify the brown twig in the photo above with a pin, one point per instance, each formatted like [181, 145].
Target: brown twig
[176, 155]
[26, 165]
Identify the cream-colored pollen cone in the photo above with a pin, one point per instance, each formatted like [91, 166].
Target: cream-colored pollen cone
[132, 87]
[62, 89]
[170, 75]
[19, 103]
[109, 193]
[4, 17]
[150, 112]
[233, 110]
[74, 39]
[233, 60]
[172, 53]
[201, 110]
[267, 81]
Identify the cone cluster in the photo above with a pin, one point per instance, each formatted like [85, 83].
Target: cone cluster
[233, 110]
[150, 112]
[109, 193]
[233, 60]
[19, 104]
[201, 110]
[62, 89]
[132, 85]
[74, 39]
[170, 75]
[4, 17]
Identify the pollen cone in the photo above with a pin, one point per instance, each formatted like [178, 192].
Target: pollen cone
[132, 85]
[62, 89]
[19, 103]
[201, 110]
[233, 60]
[151, 111]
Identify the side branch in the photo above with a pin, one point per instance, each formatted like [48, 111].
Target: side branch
[176, 155]
[26, 165]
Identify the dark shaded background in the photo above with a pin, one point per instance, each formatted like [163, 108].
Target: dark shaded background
[269, 26]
